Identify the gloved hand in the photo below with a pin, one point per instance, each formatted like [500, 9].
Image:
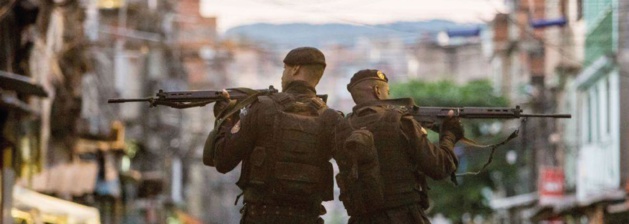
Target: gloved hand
[453, 126]
[433, 127]
[222, 105]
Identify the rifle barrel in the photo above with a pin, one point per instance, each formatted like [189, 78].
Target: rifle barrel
[547, 115]
[127, 100]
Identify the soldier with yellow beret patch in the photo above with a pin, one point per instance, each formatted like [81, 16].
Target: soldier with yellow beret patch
[403, 160]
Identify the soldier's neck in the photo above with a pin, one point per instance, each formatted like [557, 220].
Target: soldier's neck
[300, 87]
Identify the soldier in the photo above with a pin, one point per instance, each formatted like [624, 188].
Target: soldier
[383, 156]
[285, 144]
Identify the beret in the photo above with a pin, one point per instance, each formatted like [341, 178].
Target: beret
[367, 74]
[305, 56]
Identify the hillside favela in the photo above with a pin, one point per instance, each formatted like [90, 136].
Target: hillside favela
[314, 111]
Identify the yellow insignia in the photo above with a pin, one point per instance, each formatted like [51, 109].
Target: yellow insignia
[236, 128]
[380, 75]
[424, 131]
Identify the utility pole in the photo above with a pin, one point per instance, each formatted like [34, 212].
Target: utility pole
[543, 154]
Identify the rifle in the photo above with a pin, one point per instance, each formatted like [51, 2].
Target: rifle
[186, 99]
[431, 116]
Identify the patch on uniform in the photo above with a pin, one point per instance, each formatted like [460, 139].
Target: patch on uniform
[423, 131]
[243, 111]
[236, 128]
[380, 75]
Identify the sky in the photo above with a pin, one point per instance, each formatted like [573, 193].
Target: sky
[231, 13]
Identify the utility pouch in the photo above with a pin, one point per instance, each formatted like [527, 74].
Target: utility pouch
[296, 179]
[360, 179]
[257, 170]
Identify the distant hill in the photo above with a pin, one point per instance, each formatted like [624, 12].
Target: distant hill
[300, 34]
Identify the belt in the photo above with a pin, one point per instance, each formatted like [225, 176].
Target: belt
[265, 209]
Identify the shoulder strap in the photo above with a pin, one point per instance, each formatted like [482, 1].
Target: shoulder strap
[282, 99]
[240, 104]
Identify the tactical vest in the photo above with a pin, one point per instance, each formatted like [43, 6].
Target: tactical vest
[401, 185]
[290, 163]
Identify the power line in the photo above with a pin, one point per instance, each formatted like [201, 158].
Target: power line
[559, 49]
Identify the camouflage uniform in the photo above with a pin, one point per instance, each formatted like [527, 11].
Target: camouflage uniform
[404, 156]
[284, 143]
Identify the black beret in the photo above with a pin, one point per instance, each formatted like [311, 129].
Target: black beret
[305, 56]
[367, 74]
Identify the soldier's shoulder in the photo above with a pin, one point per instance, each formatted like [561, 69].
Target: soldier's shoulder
[264, 100]
[405, 111]
[262, 103]
[395, 113]
[332, 115]
[397, 109]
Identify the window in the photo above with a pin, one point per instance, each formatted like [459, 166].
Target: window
[609, 105]
[588, 117]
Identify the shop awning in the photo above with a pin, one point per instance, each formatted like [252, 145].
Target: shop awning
[543, 23]
[74, 178]
[115, 140]
[522, 200]
[73, 212]
[13, 103]
[20, 84]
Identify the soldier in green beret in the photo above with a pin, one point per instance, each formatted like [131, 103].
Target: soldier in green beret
[284, 142]
[384, 156]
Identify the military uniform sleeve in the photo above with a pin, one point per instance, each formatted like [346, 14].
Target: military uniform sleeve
[236, 140]
[437, 161]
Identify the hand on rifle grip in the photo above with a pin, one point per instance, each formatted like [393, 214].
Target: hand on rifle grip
[222, 105]
[225, 94]
[453, 126]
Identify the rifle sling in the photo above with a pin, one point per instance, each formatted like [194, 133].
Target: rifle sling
[253, 96]
[493, 147]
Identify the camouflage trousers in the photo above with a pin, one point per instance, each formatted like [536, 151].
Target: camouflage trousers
[269, 214]
[408, 214]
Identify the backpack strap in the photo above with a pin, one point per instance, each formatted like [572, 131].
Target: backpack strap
[282, 99]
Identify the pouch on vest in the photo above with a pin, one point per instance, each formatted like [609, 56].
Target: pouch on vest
[360, 180]
[258, 172]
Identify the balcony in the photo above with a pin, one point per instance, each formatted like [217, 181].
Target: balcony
[599, 39]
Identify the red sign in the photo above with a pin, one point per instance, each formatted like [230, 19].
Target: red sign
[551, 184]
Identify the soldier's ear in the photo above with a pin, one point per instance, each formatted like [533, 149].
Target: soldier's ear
[295, 70]
[377, 92]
